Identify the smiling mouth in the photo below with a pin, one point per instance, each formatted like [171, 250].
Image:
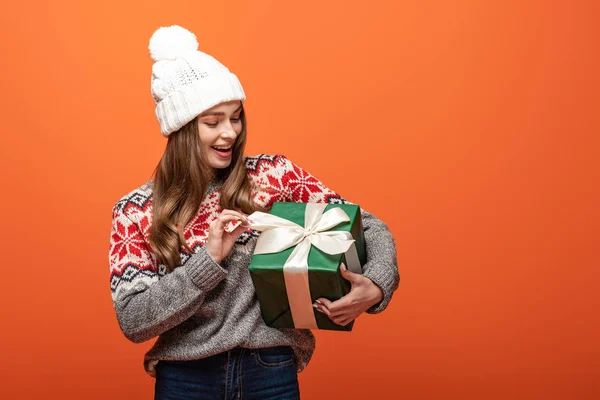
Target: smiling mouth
[221, 148]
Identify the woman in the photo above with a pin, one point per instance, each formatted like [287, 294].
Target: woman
[178, 273]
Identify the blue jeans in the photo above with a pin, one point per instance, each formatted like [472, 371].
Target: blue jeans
[247, 374]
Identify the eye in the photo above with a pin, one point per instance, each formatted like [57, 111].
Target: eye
[211, 124]
[235, 119]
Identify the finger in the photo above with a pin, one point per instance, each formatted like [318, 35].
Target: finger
[349, 275]
[241, 220]
[219, 226]
[338, 307]
[323, 310]
[342, 305]
[346, 321]
[341, 320]
[222, 220]
[213, 231]
[324, 302]
[243, 216]
[341, 313]
[319, 306]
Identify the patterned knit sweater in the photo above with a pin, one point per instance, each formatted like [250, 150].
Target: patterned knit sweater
[202, 308]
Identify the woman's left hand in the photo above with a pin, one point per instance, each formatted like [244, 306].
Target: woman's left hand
[363, 295]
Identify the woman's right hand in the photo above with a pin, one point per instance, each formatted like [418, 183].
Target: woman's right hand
[220, 242]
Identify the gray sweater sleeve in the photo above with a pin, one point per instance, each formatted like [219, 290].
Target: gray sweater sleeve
[148, 303]
[382, 265]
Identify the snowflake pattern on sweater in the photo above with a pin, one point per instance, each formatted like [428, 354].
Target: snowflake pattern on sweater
[275, 178]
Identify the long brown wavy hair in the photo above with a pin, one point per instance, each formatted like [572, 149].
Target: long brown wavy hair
[181, 179]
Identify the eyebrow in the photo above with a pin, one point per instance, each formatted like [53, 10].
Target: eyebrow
[219, 113]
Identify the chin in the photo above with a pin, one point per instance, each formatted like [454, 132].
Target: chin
[221, 165]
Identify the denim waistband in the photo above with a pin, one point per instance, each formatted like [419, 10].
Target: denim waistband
[234, 352]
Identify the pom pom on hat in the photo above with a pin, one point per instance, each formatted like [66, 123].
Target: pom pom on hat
[171, 43]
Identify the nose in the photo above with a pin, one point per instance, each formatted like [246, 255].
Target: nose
[228, 131]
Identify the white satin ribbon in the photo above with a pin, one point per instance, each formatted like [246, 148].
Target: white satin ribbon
[278, 234]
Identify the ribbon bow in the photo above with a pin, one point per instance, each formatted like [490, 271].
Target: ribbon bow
[278, 234]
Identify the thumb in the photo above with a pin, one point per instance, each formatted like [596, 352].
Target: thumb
[349, 275]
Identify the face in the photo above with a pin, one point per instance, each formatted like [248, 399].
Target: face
[218, 128]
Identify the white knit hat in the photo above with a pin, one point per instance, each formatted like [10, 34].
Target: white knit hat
[185, 81]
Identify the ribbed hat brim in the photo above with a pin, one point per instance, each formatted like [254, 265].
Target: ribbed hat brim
[185, 104]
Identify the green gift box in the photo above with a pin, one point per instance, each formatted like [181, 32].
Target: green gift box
[322, 269]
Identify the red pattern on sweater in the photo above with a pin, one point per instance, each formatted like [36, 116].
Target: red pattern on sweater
[274, 178]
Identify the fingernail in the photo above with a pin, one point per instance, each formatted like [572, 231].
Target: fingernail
[344, 267]
[315, 306]
[318, 302]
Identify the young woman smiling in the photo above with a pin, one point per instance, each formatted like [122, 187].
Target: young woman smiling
[176, 272]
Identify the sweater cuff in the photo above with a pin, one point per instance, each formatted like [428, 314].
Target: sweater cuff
[384, 279]
[204, 271]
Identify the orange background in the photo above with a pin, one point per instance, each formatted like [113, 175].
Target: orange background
[471, 128]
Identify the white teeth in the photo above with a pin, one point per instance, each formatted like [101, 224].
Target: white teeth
[221, 148]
